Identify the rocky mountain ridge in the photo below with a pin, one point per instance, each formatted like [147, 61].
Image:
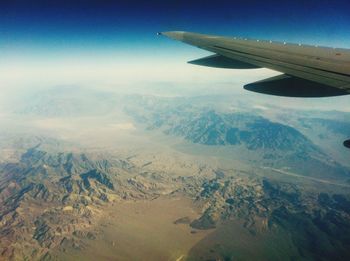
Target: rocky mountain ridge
[51, 202]
[318, 224]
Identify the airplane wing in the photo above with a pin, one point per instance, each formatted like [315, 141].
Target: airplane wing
[309, 71]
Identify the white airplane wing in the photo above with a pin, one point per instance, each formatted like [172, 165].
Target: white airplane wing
[309, 71]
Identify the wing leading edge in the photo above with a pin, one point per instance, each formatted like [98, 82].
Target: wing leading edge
[309, 71]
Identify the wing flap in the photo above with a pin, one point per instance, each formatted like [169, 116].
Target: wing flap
[289, 86]
[219, 61]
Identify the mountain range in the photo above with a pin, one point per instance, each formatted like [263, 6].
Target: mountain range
[266, 142]
[52, 201]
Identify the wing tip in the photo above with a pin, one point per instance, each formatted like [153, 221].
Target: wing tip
[176, 35]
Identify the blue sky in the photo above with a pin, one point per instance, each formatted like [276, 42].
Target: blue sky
[110, 25]
[113, 42]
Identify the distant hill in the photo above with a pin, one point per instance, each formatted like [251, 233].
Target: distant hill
[267, 143]
[332, 126]
[66, 101]
[328, 134]
[254, 132]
